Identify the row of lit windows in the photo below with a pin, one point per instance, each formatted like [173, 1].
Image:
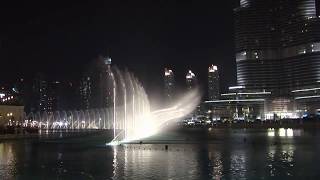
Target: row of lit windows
[273, 54]
[5, 99]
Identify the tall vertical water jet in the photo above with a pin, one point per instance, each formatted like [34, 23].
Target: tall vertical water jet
[132, 115]
[127, 113]
[114, 105]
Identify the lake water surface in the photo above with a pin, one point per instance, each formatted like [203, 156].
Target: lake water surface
[191, 154]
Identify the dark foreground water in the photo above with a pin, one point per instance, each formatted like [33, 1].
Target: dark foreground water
[191, 154]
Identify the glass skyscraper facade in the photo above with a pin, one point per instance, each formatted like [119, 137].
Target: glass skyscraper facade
[278, 50]
[277, 45]
[213, 83]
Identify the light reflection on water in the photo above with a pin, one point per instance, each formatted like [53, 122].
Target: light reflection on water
[7, 161]
[281, 160]
[284, 132]
[236, 154]
[153, 162]
[216, 165]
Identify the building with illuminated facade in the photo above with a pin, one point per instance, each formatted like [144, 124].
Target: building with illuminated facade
[40, 93]
[50, 96]
[107, 84]
[213, 83]
[191, 80]
[96, 86]
[11, 106]
[239, 104]
[169, 84]
[11, 114]
[278, 51]
[85, 92]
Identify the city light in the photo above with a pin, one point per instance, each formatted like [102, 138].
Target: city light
[228, 88]
[271, 132]
[168, 72]
[246, 93]
[229, 94]
[213, 68]
[304, 90]
[236, 100]
[254, 93]
[282, 132]
[108, 61]
[289, 132]
[236, 87]
[190, 75]
[307, 97]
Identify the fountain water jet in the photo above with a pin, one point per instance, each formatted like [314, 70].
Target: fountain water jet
[133, 117]
[127, 113]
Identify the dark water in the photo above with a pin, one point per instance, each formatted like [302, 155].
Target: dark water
[217, 154]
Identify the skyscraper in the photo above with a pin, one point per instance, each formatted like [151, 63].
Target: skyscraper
[19, 89]
[53, 98]
[96, 86]
[107, 83]
[40, 93]
[213, 83]
[85, 92]
[277, 46]
[168, 84]
[191, 80]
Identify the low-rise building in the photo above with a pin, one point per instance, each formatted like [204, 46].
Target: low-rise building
[11, 114]
[238, 104]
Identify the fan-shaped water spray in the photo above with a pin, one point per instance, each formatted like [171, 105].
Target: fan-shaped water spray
[133, 112]
[127, 112]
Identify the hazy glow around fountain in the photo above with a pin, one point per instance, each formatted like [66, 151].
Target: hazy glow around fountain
[152, 122]
[135, 119]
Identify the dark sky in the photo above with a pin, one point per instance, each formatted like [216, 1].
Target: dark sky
[60, 38]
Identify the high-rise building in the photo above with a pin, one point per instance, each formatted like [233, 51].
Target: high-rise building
[191, 80]
[19, 89]
[107, 79]
[54, 96]
[48, 95]
[277, 45]
[96, 87]
[168, 84]
[85, 92]
[213, 83]
[278, 48]
[40, 93]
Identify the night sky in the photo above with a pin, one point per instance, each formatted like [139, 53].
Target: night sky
[60, 38]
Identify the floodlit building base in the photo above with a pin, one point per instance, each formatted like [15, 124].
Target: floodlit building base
[243, 105]
[10, 114]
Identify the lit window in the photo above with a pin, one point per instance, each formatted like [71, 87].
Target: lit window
[315, 47]
[302, 51]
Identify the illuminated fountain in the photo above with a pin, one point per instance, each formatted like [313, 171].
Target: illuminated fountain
[134, 118]
[128, 113]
